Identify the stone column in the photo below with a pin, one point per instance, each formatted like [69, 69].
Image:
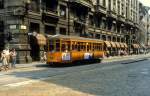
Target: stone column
[14, 24]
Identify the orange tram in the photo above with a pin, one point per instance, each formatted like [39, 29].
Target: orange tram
[67, 49]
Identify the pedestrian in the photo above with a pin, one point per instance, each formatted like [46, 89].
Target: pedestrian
[107, 53]
[13, 55]
[7, 52]
[4, 60]
[43, 57]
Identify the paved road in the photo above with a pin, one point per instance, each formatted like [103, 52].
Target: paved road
[112, 79]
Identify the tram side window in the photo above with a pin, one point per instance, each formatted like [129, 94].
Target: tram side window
[94, 47]
[82, 47]
[97, 47]
[74, 47]
[88, 46]
[100, 45]
[68, 46]
[57, 46]
[51, 46]
[65, 47]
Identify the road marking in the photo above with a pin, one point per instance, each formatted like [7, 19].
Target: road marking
[24, 82]
[21, 83]
[2, 74]
[145, 72]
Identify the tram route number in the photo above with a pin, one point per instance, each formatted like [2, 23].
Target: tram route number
[66, 56]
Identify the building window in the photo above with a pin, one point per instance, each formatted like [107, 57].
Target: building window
[50, 5]
[91, 21]
[62, 12]
[34, 27]
[122, 9]
[1, 4]
[103, 37]
[104, 24]
[34, 6]
[114, 5]
[118, 7]
[98, 36]
[109, 3]
[51, 30]
[104, 3]
[63, 31]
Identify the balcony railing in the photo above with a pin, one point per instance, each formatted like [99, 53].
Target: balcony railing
[50, 10]
[101, 8]
[83, 2]
[79, 19]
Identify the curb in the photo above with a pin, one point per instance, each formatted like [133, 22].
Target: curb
[105, 60]
[18, 66]
[119, 59]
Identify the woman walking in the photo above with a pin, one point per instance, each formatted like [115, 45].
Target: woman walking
[4, 60]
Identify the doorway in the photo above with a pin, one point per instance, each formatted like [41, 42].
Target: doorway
[2, 36]
[35, 48]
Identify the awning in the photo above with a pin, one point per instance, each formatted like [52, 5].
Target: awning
[108, 44]
[122, 45]
[125, 44]
[41, 39]
[113, 44]
[117, 44]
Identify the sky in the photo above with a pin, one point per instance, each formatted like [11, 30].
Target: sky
[145, 2]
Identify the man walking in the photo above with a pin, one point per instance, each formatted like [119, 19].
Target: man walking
[13, 55]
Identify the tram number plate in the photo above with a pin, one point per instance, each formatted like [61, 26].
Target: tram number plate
[66, 56]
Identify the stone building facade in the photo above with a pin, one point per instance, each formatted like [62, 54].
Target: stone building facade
[114, 21]
[144, 29]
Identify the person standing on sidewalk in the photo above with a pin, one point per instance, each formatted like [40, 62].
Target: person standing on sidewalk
[13, 55]
[4, 59]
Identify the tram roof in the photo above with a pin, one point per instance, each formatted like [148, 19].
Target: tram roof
[71, 37]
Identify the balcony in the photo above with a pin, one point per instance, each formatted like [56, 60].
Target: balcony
[51, 12]
[101, 9]
[13, 3]
[86, 3]
[136, 25]
[128, 21]
[111, 13]
[121, 18]
[80, 20]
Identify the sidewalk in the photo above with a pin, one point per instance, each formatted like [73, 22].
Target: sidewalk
[33, 64]
[105, 60]
[122, 58]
